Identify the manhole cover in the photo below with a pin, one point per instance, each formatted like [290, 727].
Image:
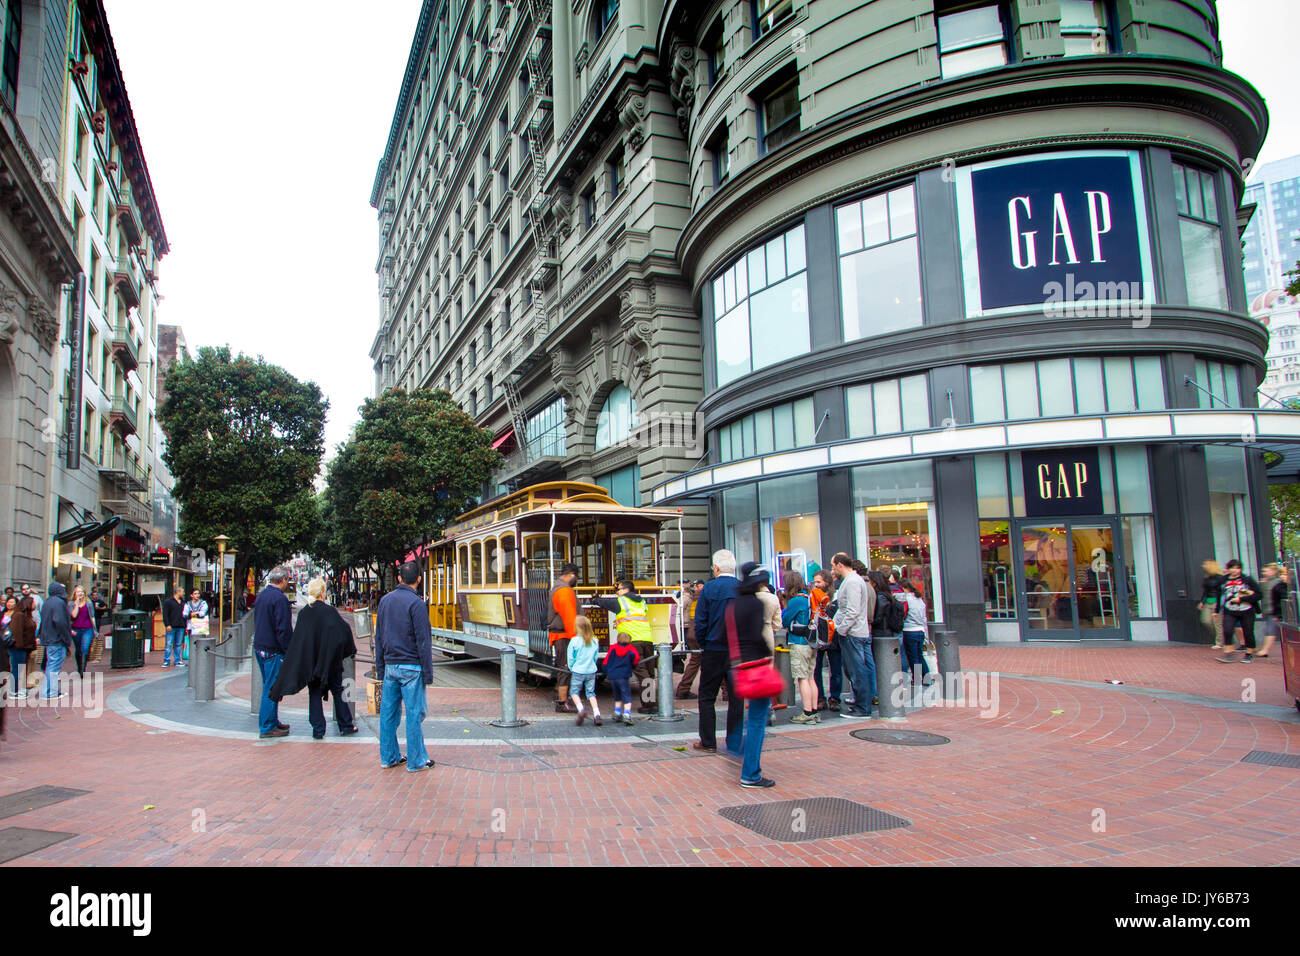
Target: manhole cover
[18, 841]
[1270, 759]
[35, 799]
[795, 821]
[905, 738]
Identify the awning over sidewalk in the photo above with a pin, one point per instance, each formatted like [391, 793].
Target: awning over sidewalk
[507, 435]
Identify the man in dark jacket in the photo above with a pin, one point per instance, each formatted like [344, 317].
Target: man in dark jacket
[404, 662]
[174, 622]
[55, 635]
[321, 642]
[715, 661]
[272, 630]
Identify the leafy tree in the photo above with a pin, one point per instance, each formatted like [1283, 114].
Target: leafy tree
[1284, 506]
[244, 443]
[415, 461]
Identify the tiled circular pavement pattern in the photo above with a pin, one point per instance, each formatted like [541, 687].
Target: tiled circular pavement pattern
[1067, 773]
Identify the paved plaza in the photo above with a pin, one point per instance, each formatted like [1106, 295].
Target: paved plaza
[1052, 765]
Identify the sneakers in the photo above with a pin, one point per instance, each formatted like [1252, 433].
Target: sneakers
[165, 665]
[400, 761]
[853, 714]
[597, 721]
[813, 718]
[762, 783]
[627, 719]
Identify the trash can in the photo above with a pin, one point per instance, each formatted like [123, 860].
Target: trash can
[130, 630]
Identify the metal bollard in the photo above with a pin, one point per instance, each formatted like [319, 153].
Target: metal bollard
[948, 657]
[189, 665]
[203, 661]
[255, 689]
[664, 672]
[888, 652]
[509, 714]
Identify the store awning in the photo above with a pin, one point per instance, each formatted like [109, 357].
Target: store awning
[77, 561]
[505, 436]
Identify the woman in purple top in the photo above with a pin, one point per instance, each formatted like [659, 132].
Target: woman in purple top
[82, 613]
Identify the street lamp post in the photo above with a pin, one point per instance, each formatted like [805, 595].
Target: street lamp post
[222, 541]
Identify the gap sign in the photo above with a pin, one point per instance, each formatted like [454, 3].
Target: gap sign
[1062, 481]
[1041, 226]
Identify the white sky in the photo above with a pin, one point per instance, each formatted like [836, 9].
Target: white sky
[263, 123]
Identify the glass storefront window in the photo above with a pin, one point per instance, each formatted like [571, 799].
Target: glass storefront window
[991, 485]
[894, 519]
[740, 517]
[780, 428]
[880, 265]
[882, 408]
[760, 307]
[1061, 387]
[623, 485]
[1143, 582]
[997, 570]
[1218, 383]
[1230, 515]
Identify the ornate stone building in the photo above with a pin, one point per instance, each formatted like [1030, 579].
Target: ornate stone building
[37, 257]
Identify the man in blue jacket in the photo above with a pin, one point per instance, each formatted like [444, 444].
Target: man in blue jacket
[715, 655]
[404, 662]
[272, 628]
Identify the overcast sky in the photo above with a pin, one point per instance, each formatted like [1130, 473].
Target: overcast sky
[263, 123]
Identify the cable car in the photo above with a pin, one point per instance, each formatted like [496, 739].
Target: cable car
[489, 580]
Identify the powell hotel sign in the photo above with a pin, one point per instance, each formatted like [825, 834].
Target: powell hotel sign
[1062, 231]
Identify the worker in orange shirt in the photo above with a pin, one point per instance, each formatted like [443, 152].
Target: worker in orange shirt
[563, 628]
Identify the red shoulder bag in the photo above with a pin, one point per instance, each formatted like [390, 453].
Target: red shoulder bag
[750, 679]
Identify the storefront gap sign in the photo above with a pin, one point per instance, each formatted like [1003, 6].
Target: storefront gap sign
[1062, 481]
[1060, 229]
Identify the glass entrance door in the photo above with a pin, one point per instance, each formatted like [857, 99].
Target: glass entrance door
[1070, 576]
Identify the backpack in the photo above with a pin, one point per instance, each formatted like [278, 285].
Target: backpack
[891, 616]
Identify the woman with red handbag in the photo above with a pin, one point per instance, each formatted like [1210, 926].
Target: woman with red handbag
[753, 676]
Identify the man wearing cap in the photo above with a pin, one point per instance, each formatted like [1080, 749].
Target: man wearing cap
[563, 628]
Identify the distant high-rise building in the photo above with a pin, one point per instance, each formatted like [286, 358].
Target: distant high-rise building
[1272, 241]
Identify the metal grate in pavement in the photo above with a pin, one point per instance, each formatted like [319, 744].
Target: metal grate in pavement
[905, 738]
[17, 841]
[36, 798]
[1270, 759]
[817, 818]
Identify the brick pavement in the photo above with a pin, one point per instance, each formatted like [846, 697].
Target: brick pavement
[1024, 787]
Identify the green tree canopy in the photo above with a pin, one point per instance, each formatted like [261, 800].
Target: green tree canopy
[415, 461]
[244, 443]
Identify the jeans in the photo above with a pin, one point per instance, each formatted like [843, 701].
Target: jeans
[403, 685]
[174, 649]
[268, 714]
[755, 731]
[17, 667]
[715, 667]
[54, 657]
[622, 687]
[832, 654]
[913, 644]
[861, 665]
[316, 709]
[582, 685]
[82, 638]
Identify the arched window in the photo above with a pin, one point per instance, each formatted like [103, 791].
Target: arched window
[617, 418]
[603, 15]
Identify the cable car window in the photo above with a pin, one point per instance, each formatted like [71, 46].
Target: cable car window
[493, 562]
[476, 564]
[634, 558]
[507, 559]
[464, 566]
[535, 549]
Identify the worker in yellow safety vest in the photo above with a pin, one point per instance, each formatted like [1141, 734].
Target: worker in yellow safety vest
[632, 617]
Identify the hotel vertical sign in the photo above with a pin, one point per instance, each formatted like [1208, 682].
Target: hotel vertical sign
[76, 365]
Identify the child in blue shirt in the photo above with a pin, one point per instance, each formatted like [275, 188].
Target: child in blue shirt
[582, 668]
